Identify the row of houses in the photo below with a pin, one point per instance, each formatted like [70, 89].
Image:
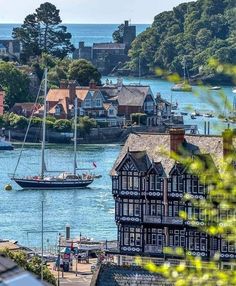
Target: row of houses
[148, 188]
[111, 103]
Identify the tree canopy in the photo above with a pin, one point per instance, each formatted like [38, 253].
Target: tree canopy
[197, 31]
[83, 72]
[15, 83]
[41, 32]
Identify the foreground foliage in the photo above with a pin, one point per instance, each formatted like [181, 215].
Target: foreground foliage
[32, 265]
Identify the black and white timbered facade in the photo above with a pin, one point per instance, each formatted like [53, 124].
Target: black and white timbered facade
[148, 191]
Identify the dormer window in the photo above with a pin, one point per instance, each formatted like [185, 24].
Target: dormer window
[57, 110]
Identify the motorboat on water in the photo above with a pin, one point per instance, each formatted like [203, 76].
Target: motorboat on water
[65, 180]
[215, 88]
[5, 145]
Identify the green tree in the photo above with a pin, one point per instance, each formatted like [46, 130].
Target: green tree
[41, 32]
[62, 125]
[83, 72]
[118, 34]
[15, 83]
[191, 29]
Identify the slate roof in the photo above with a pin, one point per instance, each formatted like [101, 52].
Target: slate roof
[157, 146]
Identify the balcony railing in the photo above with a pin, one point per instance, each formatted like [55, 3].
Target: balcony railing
[153, 249]
[151, 219]
[163, 220]
[172, 220]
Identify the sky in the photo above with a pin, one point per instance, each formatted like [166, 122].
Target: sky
[90, 11]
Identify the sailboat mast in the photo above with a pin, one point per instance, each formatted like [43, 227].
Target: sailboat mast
[44, 124]
[184, 69]
[75, 133]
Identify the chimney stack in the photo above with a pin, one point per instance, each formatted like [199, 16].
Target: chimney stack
[176, 139]
[227, 135]
[72, 91]
[63, 84]
[92, 84]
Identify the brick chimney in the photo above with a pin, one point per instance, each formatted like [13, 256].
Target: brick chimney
[176, 139]
[227, 135]
[63, 84]
[92, 84]
[72, 91]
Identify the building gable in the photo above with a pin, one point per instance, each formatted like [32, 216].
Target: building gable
[127, 164]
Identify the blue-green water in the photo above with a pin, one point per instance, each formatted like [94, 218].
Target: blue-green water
[89, 211]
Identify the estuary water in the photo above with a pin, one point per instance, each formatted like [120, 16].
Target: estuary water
[88, 211]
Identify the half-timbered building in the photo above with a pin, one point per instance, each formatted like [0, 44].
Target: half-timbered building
[148, 188]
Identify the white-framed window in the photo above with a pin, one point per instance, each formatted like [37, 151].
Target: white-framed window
[98, 102]
[131, 209]
[191, 243]
[188, 185]
[130, 182]
[154, 239]
[126, 238]
[174, 183]
[224, 245]
[124, 182]
[231, 246]
[182, 241]
[152, 182]
[57, 110]
[136, 183]
[158, 183]
[136, 209]
[125, 208]
[195, 185]
[180, 183]
[87, 102]
[203, 244]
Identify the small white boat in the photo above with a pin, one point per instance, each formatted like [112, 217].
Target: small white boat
[5, 145]
[215, 88]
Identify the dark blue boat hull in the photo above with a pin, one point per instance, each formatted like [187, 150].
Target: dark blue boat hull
[43, 184]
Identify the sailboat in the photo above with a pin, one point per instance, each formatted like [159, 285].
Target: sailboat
[183, 86]
[64, 180]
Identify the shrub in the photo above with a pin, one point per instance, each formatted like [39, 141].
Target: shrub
[139, 118]
[62, 125]
[85, 125]
[36, 122]
[51, 118]
[17, 121]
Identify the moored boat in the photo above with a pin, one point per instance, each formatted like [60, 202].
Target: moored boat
[215, 88]
[65, 180]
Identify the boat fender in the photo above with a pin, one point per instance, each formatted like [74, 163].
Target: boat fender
[8, 187]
